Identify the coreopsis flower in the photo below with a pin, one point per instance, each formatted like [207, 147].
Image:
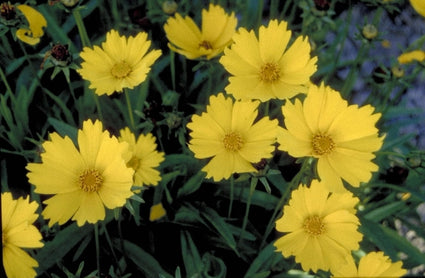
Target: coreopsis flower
[122, 62]
[227, 133]
[373, 264]
[265, 67]
[157, 212]
[187, 39]
[84, 179]
[321, 227]
[342, 137]
[18, 231]
[144, 157]
[409, 57]
[418, 6]
[36, 21]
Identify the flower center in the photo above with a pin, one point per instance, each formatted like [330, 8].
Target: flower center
[322, 144]
[314, 225]
[232, 142]
[269, 72]
[134, 163]
[121, 70]
[90, 180]
[205, 44]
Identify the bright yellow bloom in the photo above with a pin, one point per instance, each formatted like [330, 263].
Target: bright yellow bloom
[321, 227]
[408, 57]
[121, 62]
[419, 6]
[36, 22]
[83, 180]
[374, 264]
[157, 212]
[342, 137]
[144, 157]
[186, 38]
[228, 134]
[17, 217]
[266, 68]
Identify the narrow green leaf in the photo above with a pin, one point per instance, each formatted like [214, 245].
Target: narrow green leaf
[64, 129]
[190, 254]
[383, 212]
[192, 184]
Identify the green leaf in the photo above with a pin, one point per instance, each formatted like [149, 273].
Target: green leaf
[191, 185]
[143, 260]
[53, 251]
[385, 211]
[190, 254]
[64, 129]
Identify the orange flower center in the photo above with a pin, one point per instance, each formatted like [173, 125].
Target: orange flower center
[269, 72]
[322, 144]
[205, 44]
[121, 70]
[232, 142]
[90, 180]
[314, 225]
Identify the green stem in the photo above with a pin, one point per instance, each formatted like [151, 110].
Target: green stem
[96, 240]
[232, 188]
[108, 239]
[254, 182]
[3, 78]
[81, 27]
[173, 70]
[130, 110]
[99, 109]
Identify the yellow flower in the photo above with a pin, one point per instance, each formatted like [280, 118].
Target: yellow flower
[321, 227]
[342, 137]
[374, 264]
[408, 57]
[157, 212]
[228, 134]
[419, 6]
[144, 157]
[186, 38]
[121, 62]
[266, 68]
[17, 217]
[83, 180]
[36, 22]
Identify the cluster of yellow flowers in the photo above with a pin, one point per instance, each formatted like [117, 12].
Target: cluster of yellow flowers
[100, 170]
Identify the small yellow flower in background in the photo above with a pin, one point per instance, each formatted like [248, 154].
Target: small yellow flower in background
[409, 57]
[342, 137]
[321, 227]
[144, 157]
[36, 22]
[373, 264]
[17, 217]
[227, 133]
[265, 68]
[83, 180]
[157, 212]
[186, 39]
[419, 6]
[121, 62]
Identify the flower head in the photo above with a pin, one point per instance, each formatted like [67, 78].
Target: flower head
[186, 38]
[18, 231]
[121, 62]
[83, 180]
[342, 137]
[409, 57]
[266, 68]
[228, 134]
[321, 227]
[144, 157]
[419, 6]
[36, 21]
[373, 264]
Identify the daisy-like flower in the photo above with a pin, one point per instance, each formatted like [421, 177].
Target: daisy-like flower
[36, 21]
[121, 62]
[342, 137]
[321, 227]
[143, 157]
[266, 68]
[409, 57]
[18, 231]
[373, 264]
[186, 39]
[83, 180]
[418, 6]
[228, 134]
